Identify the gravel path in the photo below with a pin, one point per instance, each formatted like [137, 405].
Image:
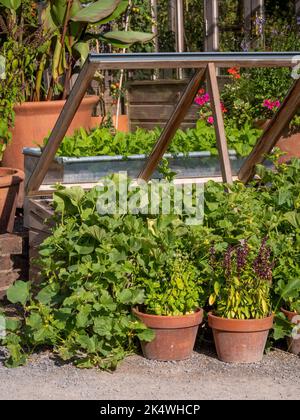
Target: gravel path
[201, 377]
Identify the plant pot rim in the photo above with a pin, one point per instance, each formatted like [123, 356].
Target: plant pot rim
[172, 321]
[240, 325]
[10, 176]
[290, 314]
[89, 99]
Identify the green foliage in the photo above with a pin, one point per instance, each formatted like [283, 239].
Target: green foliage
[241, 282]
[91, 266]
[280, 192]
[65, 32]
[177, 289]
[20, 62]
[102, 141]
[269, 206]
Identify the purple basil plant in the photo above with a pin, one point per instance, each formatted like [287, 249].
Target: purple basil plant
[238, 259]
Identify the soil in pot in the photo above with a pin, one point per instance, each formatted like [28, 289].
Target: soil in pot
[293, 343]
[240, 341]
[175, 336]
[10, 180]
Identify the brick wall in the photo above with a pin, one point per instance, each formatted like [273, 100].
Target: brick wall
[13, 260]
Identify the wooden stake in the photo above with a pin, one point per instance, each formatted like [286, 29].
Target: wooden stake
[219, 123]
[62, 124]
[173, 124]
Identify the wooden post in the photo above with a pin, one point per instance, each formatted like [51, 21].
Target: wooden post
[247, 18]
[179, 31]
[272, 133]
[62, 124]
[211, 16]
[219, 123]
[297, 11]
[173, 124]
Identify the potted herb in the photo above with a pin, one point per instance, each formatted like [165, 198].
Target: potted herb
[242, 315]
[289, 319]
[49, 44]
[172, 310]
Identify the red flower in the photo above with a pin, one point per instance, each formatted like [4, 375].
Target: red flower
[235, 72]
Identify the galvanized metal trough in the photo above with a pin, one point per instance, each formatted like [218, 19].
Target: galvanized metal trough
[90, 169]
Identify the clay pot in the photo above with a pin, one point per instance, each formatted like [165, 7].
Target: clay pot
[175, 336]
[240, 341]
[123, 124]
[10, 180]
[290, 144]
[293, 343]
[35, 120]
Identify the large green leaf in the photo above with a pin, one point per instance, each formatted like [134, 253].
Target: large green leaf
[292, 289]
[47, 20]
[129, 37]
[58, 11]
[11, 4]
[95, 12]
[18, 292]
[117, 13]
[81, 51]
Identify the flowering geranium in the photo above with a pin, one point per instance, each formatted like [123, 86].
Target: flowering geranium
[203, 100]
[271, 105]
[234, 72]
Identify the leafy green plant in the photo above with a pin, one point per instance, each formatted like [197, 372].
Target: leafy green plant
[102, 141]
[66, 29]
[242, 282]
[280, 191]
[73, 24]
[20, 44]
[91, 266]
[177, 289]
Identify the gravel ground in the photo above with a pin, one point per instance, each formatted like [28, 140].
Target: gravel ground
[201, 377]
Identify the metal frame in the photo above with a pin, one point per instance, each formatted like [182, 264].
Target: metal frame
[205, 65]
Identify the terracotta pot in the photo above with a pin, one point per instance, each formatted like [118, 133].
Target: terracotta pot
[35, 120]
[10, 180]
[123, 124]
[290, 144]
[261, 124]
[240, 341]
[293, 343]
[175, 336]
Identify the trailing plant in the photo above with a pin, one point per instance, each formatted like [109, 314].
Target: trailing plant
[90, 269]
[242, 282]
